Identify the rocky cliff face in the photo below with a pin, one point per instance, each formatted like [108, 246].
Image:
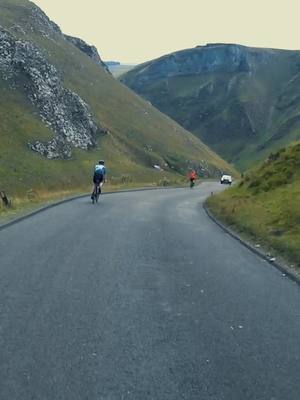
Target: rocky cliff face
[24, 66]
[241, 101]
[39, 20]
[47, 27]
[203, 59]
[89, 50]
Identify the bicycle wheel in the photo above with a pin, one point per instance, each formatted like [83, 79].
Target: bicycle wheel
[97, 194]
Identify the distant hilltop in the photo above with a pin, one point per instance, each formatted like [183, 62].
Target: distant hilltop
[112, 63]
[241, 101]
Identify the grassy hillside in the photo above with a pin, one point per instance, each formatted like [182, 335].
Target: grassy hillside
[138, 134]
[242, 102]
[265, 205]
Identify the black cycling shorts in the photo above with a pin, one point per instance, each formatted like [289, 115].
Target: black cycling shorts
[98, 178]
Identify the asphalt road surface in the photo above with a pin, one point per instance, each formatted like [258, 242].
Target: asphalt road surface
[142, 297]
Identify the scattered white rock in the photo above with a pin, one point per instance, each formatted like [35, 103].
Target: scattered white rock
[61, 109]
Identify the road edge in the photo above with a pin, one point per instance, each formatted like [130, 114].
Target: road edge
[71, 198]
[287, 271]
[39, 210]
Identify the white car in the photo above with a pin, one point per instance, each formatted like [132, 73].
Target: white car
[226, 179]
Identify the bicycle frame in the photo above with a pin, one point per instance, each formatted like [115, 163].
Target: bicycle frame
[97, 191]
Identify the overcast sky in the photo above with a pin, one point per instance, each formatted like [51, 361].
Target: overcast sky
[133, 31]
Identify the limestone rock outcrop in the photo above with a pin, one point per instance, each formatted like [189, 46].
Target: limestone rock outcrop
[25, 66]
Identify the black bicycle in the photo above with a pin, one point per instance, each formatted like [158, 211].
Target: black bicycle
[96, 193]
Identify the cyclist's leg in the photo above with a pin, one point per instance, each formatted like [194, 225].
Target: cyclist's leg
[101, 184]
[97, 190]
[94, 193]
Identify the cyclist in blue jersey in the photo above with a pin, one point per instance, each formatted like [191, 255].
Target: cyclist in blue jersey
[99, 177]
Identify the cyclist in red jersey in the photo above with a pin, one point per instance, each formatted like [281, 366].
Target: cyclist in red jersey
[192, 177]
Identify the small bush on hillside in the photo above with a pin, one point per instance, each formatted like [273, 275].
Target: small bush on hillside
[254, 183]
[275, 156]
[32, 195]
[164, 182]
[126, 179]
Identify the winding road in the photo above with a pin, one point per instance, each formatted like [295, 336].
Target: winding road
[142, 297]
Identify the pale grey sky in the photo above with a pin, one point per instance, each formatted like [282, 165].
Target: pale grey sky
[133, 31]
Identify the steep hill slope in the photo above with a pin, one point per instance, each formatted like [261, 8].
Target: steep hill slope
[243, 102]
[61, 110]
[265, 204]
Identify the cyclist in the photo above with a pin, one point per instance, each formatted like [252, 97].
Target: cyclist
[99, 177]
[192, 177]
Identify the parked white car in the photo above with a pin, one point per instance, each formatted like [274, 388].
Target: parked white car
[226, 179]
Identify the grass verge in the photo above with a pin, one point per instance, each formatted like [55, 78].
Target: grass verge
[261, 220]
[264, 211]
[265, 206]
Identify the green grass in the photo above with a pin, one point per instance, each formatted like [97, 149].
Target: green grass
[265, 205]
[139, 135]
